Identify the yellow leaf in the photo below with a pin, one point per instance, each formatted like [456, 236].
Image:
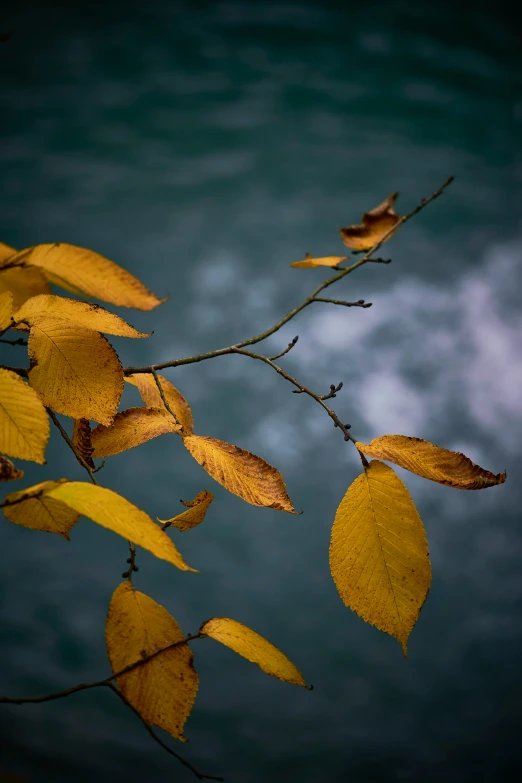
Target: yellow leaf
[75, 371]
[241, 472]
[6, 251]
[375, 225]
[89, 272]
[24, 424]
[253, 647]
[74, 313]
[162, 690]
[131, 428]
[197, 509]
[23, 284]
[6, 310]
[379, 554]
[115, 512]
[9, 471]
[81, 440]
[150, 395]
[310, 263]
[33, 508]
[431, 462]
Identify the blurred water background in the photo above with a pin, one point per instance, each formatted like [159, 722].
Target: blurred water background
[205, 146]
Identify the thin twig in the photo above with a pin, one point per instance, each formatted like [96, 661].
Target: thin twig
[287, 349]
[164, 399]
[71, 445]
[20, 341]
[358, 303]
[99, 683]
[91, 471]
[197, 773]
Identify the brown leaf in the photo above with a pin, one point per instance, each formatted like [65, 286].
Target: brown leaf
[9, 471]
[375, 225]
[131, 428]
[431, 462]
[197, 510]
[81, 439]
[241, 472]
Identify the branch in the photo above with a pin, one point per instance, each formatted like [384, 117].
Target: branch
[288, 317]
[287, 349]
[20, 341]
[165, 401]
[157, 739]
[107, 683]
[358, 303]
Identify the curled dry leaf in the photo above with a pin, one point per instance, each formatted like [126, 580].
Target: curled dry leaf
[84, 271]
[33, 508]
[23, 283]
[195, 514]
[75, 371]
[81, 440]
[131, 428]
[379, 553]
[6, 310]
[311, 263]
[163, 690]
[74, 313]
[24, 424]
[375, 225]
[9, 471]
[241, 472]
[116, 513]
[150, 395]
[431, 462]
[253, 647]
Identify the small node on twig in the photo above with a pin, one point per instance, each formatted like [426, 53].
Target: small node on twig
[129, 560]
[347, 426]
[125, 575]
[135, 568]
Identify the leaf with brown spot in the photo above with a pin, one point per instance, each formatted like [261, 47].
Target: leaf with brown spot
[195, 514]
[6, 310]
[74, 370]
[24, 424]
[23, 283]
[255, 648]
[311, 263]
[9, 471]
[34, 509]
[74, 313]
[375, 225]
[150, 395]
[81, 440]
[241, 472]
[162, 690]
[131, 428]
[379, 553]
[431, 462]
[79, 269]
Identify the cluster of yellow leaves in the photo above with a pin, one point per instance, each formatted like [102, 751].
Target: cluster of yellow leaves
[378, 550]
[240, 472]
[163, 688]
[375, 226]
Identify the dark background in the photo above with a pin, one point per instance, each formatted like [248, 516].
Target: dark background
[205, 146]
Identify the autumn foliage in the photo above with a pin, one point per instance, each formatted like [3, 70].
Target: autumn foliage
[378, 552]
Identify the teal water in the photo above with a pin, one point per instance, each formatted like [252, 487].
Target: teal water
[204, 147]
